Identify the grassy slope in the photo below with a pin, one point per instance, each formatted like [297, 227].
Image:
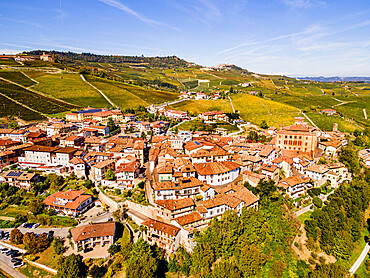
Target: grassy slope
[70, 88]
[10, 108]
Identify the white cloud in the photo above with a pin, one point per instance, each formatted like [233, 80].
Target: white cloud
[304, 3]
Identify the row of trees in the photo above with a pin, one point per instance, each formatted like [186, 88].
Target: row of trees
[32, 243]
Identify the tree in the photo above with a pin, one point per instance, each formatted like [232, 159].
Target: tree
[30, 242]
[113, 249]
[112, 126]
[72, 266]
[97, 271]
[329, 271]
[88, 184]
[264, 124]
[58, 245]
[16, 236]
[36, 206]
[317, 202]
[141, 262]
[250, 260]
[110, 175]
[226, 269]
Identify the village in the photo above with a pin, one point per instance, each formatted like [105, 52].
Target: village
[186, 178]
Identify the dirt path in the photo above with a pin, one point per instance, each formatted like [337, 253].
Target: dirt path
[365, 113]
[111, 103]
[303, 252]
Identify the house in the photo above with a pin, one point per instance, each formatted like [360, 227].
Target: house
[70, 202]
[207, 192]
[171, 209]
[36, 156]
[129, 117]
[182, 188]
[46, 57]
[21, 179]
[164, 235]
[7, 158]
[78, 167]
[217, 173]
[252, 178]
[94, 234]
[270, 172]
[177, 115]
[99, 170]
[144, 127]
[126, 174]
[73, 141]
[293, 186]
[62, 156]
[329, 112]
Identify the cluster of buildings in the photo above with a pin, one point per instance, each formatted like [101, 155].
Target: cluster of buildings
[364, 155]
[191, 177]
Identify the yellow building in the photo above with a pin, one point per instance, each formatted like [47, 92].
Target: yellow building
[298, 137]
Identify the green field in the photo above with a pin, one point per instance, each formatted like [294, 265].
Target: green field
[70, 88]
[200, 106]
[31, 271]
[17, 77]
[325, 122]
[33, 100]
[9, 62]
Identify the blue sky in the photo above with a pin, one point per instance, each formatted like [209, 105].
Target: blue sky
[293, 37]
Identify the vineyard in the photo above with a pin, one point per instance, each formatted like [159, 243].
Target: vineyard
[17, 77]
[33, 100]
[10, 108]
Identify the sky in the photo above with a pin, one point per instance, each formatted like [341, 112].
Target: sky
[290, 37]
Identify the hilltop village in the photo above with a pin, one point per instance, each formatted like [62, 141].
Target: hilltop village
[186, 178]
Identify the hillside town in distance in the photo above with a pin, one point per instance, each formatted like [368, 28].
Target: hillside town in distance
[164, 184]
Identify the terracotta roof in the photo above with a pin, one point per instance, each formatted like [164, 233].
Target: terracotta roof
[269, 168]
[254, 175]
[166, 169]
[77, 160]
[66, 150]
[182, 183]
[189, 218]
[214, 168]
[104, 163]
[93, 230]
[173, 205]
[37, 148]
[76, 196]
[291, 181]
[162, 227]
[318, 168]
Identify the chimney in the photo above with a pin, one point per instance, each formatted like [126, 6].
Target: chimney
[335, 127]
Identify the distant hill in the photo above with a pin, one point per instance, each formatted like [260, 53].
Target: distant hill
[336, 79]
[71, 57]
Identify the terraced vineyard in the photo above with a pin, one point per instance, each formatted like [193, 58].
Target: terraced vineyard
[17, 77]
[199, 106]
[33, 100]
[10, 108]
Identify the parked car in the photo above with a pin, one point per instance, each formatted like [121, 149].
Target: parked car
[50, 234]
[18, 264]
[14, 260]
[4, 250]
[11, 251]
[1, 234]
[35, 225]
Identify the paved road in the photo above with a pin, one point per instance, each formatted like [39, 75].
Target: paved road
[101, 218]
[60, 232]
[7, 266]
[302, 210]
[360, 259]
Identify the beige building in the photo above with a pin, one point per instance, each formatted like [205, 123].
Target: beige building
[298, 137]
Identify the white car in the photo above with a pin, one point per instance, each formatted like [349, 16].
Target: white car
[4, 250]
[18, 264]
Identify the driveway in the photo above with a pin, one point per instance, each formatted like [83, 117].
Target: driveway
[96, 253]
[7, 266]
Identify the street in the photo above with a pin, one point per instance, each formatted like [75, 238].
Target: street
[7, 266]
[360, 259]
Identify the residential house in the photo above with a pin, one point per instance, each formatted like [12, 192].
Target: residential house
[21, 179]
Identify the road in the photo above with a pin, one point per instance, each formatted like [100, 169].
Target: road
[232, 105]
[60, 232]
[101, 218]
[360, 259]
[302, 210]
[7, 266]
